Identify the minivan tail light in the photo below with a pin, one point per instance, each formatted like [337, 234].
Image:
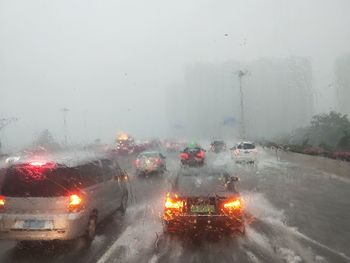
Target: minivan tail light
[75, 203]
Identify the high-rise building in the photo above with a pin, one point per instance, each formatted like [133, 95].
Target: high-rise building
[342, 74]
[278, 95]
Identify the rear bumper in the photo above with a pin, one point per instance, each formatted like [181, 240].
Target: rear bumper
[244, 159]
[187, 223]
[64, 227]
[149, 169]
[194, 162]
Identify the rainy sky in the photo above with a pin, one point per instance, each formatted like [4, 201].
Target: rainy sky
[111, 62]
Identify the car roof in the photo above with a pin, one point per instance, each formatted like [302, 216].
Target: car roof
[245, 142]
[149, 153]
[218, 141]
[68, 159]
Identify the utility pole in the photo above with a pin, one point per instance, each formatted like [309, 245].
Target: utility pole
[65, 111]
[4, 122]
[241, 74]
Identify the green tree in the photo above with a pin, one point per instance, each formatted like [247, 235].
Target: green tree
[46, 140]
[329, 129]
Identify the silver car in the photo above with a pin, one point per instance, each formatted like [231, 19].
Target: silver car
[148, 162]
[52, 201]
[244, 152]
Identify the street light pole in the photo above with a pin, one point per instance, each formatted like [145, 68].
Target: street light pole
[65, 111]
[241, 74]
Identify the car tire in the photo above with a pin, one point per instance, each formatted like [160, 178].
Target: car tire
[168, 228]
[86, 239]
[91, 229]
[124, 203]
[242, 231]
[25, 244]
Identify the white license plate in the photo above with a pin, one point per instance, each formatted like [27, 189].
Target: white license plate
[33, 224]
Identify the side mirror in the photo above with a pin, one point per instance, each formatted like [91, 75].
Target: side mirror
[162, 156]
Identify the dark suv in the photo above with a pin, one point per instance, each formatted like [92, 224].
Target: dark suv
[203, 202]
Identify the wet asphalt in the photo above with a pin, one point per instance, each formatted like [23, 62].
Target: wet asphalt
[296, 214]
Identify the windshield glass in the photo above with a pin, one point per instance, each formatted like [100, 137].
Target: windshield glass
[24, 181]
[134, 92]
[149, 155]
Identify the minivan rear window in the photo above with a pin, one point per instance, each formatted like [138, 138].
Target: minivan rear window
[28, 181]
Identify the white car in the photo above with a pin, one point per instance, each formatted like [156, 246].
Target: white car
[245, 152]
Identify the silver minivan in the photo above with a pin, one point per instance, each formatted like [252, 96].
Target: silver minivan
[53, 201]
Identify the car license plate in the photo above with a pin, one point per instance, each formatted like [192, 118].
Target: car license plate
[203, 209]
[34, 224]
[246, 152]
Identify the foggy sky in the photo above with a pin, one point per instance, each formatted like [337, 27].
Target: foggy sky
[110, 62]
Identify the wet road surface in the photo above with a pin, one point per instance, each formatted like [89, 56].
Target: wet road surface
[300, 215]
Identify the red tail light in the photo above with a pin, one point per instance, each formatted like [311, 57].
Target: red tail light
[201, 154]
[75, 203]
[137, 162]
[157, 161]
[184, 156]
[2, 203]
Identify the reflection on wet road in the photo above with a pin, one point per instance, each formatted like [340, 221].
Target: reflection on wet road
[299, 215]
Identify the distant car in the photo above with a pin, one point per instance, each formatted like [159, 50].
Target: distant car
[218, 146]
[204, 202]
[172, 146]
[192, 156]
[150, 162]
[245, 152]
[124, 147]
[43, 200]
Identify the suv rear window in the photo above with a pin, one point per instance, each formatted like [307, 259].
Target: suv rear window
[246, 146]
[27, 181]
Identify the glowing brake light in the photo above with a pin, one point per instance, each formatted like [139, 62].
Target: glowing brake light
[173, 204]
[75, 202]
[201, 154]
[37, 163]
[235, 204]
[2, 202]
[184, 156]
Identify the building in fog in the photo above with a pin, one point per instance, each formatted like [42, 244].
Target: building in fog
[342, 74]
[277, 97]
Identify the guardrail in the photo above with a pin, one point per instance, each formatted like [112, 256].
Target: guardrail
[332, 166]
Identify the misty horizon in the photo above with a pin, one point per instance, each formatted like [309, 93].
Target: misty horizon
[112, 63]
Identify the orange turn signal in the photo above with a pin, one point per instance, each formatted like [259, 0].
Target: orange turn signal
[173, 204]
[235, 204]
